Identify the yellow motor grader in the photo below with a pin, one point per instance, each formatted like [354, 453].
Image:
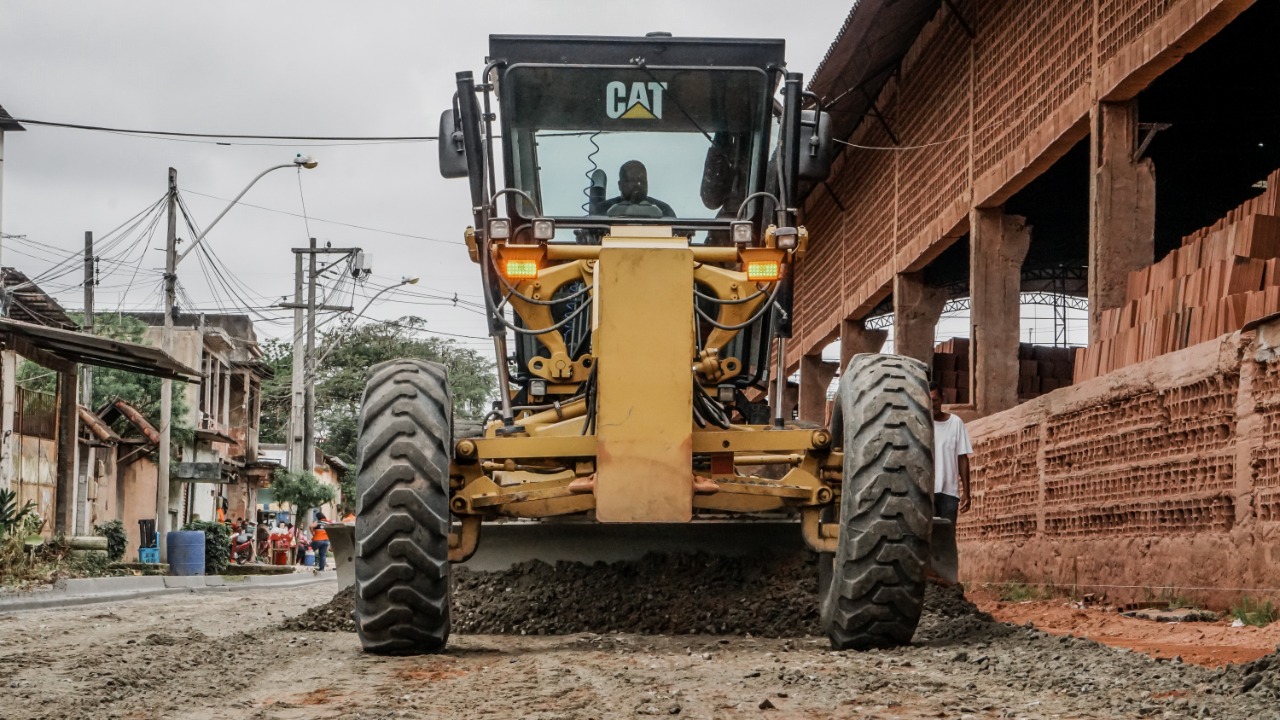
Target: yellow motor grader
[647, 315]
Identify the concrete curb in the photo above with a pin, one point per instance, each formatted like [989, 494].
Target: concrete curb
[88, 591]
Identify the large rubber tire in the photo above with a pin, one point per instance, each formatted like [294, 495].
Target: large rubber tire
[876, 593]
[402, 521]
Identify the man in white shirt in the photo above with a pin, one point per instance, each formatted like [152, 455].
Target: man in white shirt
[951, 450]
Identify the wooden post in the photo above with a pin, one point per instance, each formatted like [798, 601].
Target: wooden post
[68, 450]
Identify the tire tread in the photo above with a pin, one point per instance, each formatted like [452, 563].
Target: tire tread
[876, 594]
[402, 519]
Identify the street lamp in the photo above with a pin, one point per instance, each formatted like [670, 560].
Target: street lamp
[300, 162]
[172, 258]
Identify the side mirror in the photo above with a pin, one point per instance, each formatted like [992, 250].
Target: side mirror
[816, 153]
[453, 155]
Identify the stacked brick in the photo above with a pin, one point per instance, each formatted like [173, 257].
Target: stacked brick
[951, 370]
[1219, 279]
[1041, 369]
[1147, 462]
[1161, 475]
[1264, 459]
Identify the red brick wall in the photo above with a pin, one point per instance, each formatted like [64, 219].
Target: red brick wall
[1180, 454]
[1002, 100]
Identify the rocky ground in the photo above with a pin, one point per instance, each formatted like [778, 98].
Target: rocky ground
[243, 655]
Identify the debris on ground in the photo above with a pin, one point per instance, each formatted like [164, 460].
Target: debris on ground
[333, 616]
[774, 596]
[1177, 615]
[147, 660]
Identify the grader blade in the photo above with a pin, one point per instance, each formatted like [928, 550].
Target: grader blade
[511, 543]
[342, 547]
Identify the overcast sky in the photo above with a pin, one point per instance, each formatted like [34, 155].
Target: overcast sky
[282, 68]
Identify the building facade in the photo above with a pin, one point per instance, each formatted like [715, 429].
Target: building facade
[1111, 150]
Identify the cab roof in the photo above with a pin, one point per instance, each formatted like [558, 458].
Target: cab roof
[656, 50]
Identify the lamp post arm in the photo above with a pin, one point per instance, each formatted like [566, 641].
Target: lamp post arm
[315, 366]
[226, 209]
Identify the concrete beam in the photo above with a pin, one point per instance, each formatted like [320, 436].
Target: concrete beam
[815, 378]
[1122, 208]
[855, 339]
[916, 309]
[998, 246]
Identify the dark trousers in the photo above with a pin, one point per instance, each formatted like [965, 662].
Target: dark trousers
[322, 552]
[946, 507]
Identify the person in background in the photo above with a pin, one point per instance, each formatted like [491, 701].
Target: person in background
[350, 517]
[320, 540]
[951, 451]
[304, 544]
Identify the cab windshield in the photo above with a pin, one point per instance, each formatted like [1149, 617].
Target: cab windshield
[602, 145]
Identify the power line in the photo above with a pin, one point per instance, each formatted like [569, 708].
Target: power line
[231, 136]
[331, 222]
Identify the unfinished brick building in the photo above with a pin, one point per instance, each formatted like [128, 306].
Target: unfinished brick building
[1123, 148]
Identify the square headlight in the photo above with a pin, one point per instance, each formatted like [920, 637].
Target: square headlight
[786, 237]
[742, 232]
[544, 228]
[499, 228]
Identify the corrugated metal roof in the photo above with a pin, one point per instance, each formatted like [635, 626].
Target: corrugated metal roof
[78, 347]
[29, 303]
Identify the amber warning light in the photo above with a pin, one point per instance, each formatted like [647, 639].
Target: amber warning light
[762, 270]
[516, 269]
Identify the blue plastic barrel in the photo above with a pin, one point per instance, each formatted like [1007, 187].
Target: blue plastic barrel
[186, 552]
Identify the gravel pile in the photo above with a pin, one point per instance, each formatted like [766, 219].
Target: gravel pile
[333, 616]
[1260, 678]
[659, 594]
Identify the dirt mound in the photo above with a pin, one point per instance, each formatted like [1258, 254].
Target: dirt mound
[333, 616]
[659, 594]
[950, 617]
[772, 596]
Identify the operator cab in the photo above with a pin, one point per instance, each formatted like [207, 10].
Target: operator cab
[688, 120]
[602, 132]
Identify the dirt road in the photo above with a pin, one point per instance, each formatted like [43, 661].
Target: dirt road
[224, 655]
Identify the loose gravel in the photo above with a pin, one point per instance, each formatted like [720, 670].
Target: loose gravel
[658, 595]
[224, 655]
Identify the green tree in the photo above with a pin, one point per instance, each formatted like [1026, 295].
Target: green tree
[140, 391]
[340, 379]
[301, 490]
[273, 421]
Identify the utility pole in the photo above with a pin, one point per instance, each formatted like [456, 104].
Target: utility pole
[302, 438]
[86, 385]
[309, 387]
[298, 403]
[166, 385]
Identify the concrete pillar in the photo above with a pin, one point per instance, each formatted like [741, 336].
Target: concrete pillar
[815, 378]
[855, 338]
[1122, 208]
[916, 309]
[998, 245]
